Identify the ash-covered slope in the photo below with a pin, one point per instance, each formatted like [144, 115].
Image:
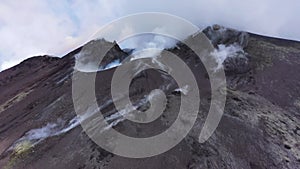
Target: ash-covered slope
[260, 127]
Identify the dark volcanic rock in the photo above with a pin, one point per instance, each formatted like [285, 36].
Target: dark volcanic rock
[259, 129]
[232, 42]
[89, 54]
[221, 35]
[238, 64]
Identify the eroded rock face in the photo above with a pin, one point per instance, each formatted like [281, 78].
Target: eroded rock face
[90, 53]
[230, 45]
[221, 35]
[238, 64]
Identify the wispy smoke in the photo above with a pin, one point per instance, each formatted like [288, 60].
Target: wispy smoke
[224, 52]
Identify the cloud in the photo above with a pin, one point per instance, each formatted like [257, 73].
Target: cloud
[36, 27]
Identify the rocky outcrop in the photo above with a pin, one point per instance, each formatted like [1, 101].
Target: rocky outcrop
[230, 44]
[90, 53]
[221, 35]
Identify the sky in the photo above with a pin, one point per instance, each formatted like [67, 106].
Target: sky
[37, 27]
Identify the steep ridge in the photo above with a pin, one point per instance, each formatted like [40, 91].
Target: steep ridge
[260, 127]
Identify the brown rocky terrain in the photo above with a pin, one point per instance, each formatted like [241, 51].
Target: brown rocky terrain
[260, 127]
